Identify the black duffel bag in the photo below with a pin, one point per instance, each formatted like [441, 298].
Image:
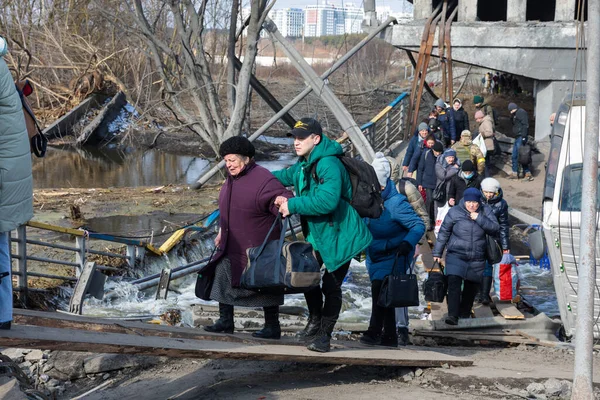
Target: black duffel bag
[435, 286]
[399, 290]
[278, 267]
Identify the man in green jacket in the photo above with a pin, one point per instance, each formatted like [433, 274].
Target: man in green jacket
[329, 223]
[16, 182]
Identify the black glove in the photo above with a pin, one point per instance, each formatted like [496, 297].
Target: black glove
[405, 248]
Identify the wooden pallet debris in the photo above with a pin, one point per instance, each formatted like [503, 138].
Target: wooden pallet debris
[507, 309]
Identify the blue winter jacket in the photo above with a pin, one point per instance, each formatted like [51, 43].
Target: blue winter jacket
[500, 209]
[426, 176]
[446, 117]
[465, 241]
[414, 144]
[399, 222]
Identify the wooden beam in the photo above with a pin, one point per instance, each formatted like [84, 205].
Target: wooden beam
[482, 311]
[35, 337]
[172, 241]
[507, 309]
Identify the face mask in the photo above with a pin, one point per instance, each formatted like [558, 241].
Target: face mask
[469, 175]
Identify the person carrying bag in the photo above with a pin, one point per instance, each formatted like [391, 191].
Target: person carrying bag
[278, 266]
[395, 235]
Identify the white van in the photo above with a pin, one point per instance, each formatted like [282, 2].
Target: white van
[561, 213]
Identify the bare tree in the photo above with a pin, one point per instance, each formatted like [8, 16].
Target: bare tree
[185, 69]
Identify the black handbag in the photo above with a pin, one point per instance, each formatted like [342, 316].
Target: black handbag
[493, 250]
[435, 286]
[279, 267]
[204, 281]
[399, 290]
[439, 193]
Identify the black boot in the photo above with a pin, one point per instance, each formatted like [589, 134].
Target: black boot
[272, 329]
[389, 339]
[312, 327]
[322, 341]
[5, 325]
[370, 338]
[486, 287]
[225, 322]
[403, 339]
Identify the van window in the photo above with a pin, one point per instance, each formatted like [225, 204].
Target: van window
[570, 196]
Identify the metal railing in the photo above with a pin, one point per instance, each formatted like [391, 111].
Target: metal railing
[81, 250]
[386, 128]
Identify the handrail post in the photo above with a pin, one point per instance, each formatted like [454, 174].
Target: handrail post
[22, 263]
[80, 255]
[131, 255]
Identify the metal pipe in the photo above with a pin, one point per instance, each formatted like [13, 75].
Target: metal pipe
[48, 260]
[206, 177]
[586, 279]
[48, 276]
[53, 245]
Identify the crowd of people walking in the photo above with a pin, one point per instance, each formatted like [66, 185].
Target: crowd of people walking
[445, 171]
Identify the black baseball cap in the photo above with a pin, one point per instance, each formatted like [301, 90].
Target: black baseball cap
[306, 127]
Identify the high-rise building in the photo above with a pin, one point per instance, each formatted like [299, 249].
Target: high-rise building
[289, 21]
[328, 19]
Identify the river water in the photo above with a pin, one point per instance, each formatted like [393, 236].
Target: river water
[81, 168]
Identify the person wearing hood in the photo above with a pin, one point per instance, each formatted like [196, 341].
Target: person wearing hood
[414, 147]
[446, 118]
[329, 223]
[463, 236]
[466, 150]
[16, 180]
[247, 212]
[466, 178]
[395, 234]
[461, 118]
[445, 168]
[493, 197]
[426, 177]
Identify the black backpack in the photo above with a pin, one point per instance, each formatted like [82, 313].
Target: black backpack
[366, 191]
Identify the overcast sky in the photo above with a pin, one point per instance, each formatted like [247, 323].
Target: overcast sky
[396, 5]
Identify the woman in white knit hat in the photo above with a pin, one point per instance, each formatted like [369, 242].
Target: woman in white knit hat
[493, 197]
[395, 235]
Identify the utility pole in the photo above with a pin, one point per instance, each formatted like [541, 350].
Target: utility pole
[584, 337]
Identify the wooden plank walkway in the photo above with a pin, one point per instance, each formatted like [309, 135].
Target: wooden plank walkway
[351, 353]
[507, 309]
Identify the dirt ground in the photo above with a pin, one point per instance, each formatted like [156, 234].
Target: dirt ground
[496, 373]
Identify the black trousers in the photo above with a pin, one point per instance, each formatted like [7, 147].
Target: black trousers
[430, 205]
[331, 289]
[381, 317]
[461, 298]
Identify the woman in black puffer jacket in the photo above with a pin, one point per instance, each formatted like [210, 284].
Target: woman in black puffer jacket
[493, 197]
[461, 118]
[463, 234]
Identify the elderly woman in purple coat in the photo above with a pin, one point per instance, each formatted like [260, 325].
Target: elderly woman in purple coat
[246, 205]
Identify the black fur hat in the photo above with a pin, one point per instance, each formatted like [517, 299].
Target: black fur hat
[237, 145]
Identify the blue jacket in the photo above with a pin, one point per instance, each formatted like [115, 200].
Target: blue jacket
[446, 117]
[465, 241]
[426, 172]
[414, 161]
[399, 222]
[414, 143]
[500, 209]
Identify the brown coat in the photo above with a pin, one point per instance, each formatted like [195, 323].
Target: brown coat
[487, 130]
